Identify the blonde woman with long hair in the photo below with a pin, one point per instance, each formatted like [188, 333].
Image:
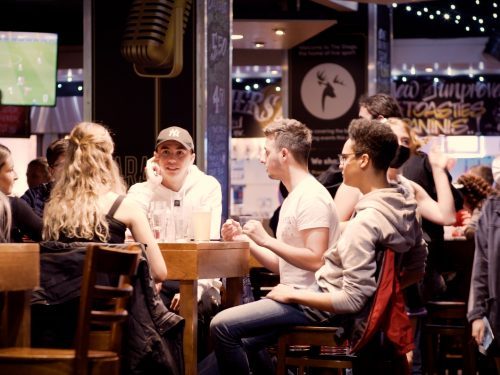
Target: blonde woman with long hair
[88, 202]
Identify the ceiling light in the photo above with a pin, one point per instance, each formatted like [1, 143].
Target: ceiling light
[259, 44]
[274, 72]
[268, 80]
[278, 89]
[255, 86]
[428, 70]
[236, 37]
[279, 32]
[238, 80]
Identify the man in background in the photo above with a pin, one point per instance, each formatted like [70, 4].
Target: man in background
[37, 172]
[37, 196]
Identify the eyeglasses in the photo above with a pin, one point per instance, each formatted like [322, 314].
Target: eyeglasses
[343, 157]
[177, 154]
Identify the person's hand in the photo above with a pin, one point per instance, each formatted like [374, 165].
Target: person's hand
[158, 287]
[153, 173]
[175, 304]
[463, 217]
[478, 331]
[256, 232]
[282, 293]
[231, 230]
[437, 158]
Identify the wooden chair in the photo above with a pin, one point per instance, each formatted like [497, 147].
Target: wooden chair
[99, 305]
[321, 347]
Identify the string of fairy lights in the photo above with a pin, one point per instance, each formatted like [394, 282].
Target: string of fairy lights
[479, 16]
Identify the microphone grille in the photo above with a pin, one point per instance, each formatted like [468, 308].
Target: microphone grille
[148, 40]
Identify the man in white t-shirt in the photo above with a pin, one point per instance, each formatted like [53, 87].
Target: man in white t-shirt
[307, 227]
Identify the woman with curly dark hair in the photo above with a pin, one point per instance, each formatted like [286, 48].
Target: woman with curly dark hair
[474, 190]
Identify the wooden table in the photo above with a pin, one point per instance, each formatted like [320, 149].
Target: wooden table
[190, 261]
[19, 275]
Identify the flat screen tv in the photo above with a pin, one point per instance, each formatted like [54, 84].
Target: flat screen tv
[28, 68]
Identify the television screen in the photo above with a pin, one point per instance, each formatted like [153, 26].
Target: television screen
[28, 68]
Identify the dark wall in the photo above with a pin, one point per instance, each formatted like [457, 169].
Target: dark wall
[124, 101]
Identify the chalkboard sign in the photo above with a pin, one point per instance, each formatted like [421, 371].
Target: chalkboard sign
[384, 49]
[218, 89]
[458, 105]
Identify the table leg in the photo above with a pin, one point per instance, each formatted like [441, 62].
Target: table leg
[234, 288]
[189, 311]
[15, 326]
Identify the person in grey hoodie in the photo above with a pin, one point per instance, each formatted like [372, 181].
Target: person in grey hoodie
[384, 219]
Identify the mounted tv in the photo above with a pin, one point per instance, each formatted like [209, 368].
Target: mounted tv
[28, 68]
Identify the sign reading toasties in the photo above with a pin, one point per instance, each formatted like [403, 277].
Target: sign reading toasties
[457, 105]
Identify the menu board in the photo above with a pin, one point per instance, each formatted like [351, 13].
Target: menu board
[451, 105]
[218, 89]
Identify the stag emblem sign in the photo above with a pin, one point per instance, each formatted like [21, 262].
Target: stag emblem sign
[328, 91]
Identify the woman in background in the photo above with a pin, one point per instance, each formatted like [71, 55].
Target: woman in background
[474, 190]
[5, 218]
[88, 201]
[24, 220]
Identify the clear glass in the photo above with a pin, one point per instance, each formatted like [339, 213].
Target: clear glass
[159, 215]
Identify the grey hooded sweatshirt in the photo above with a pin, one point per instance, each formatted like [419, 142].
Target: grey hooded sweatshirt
[383, 219]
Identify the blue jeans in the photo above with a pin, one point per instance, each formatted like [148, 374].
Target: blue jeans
[244, 330]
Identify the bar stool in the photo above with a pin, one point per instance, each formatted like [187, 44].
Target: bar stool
[447, 320]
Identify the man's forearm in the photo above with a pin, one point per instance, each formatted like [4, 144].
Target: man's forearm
[303, 258]
[318, 300]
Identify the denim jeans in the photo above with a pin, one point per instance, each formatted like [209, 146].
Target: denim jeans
[242, 331]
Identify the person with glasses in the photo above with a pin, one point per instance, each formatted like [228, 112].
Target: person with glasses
[346, 280]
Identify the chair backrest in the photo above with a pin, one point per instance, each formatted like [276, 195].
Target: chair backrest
[387, 309]
[103, 304]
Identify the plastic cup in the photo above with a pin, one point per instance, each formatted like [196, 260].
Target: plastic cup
[201, 224]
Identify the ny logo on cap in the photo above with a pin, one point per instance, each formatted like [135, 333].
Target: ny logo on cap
[173, 133]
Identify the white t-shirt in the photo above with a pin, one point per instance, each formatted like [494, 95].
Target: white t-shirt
[308, 206]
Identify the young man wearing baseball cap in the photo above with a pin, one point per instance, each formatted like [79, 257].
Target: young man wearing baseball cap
[172, 176]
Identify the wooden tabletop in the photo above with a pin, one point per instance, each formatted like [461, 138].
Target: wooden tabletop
[205, 259]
